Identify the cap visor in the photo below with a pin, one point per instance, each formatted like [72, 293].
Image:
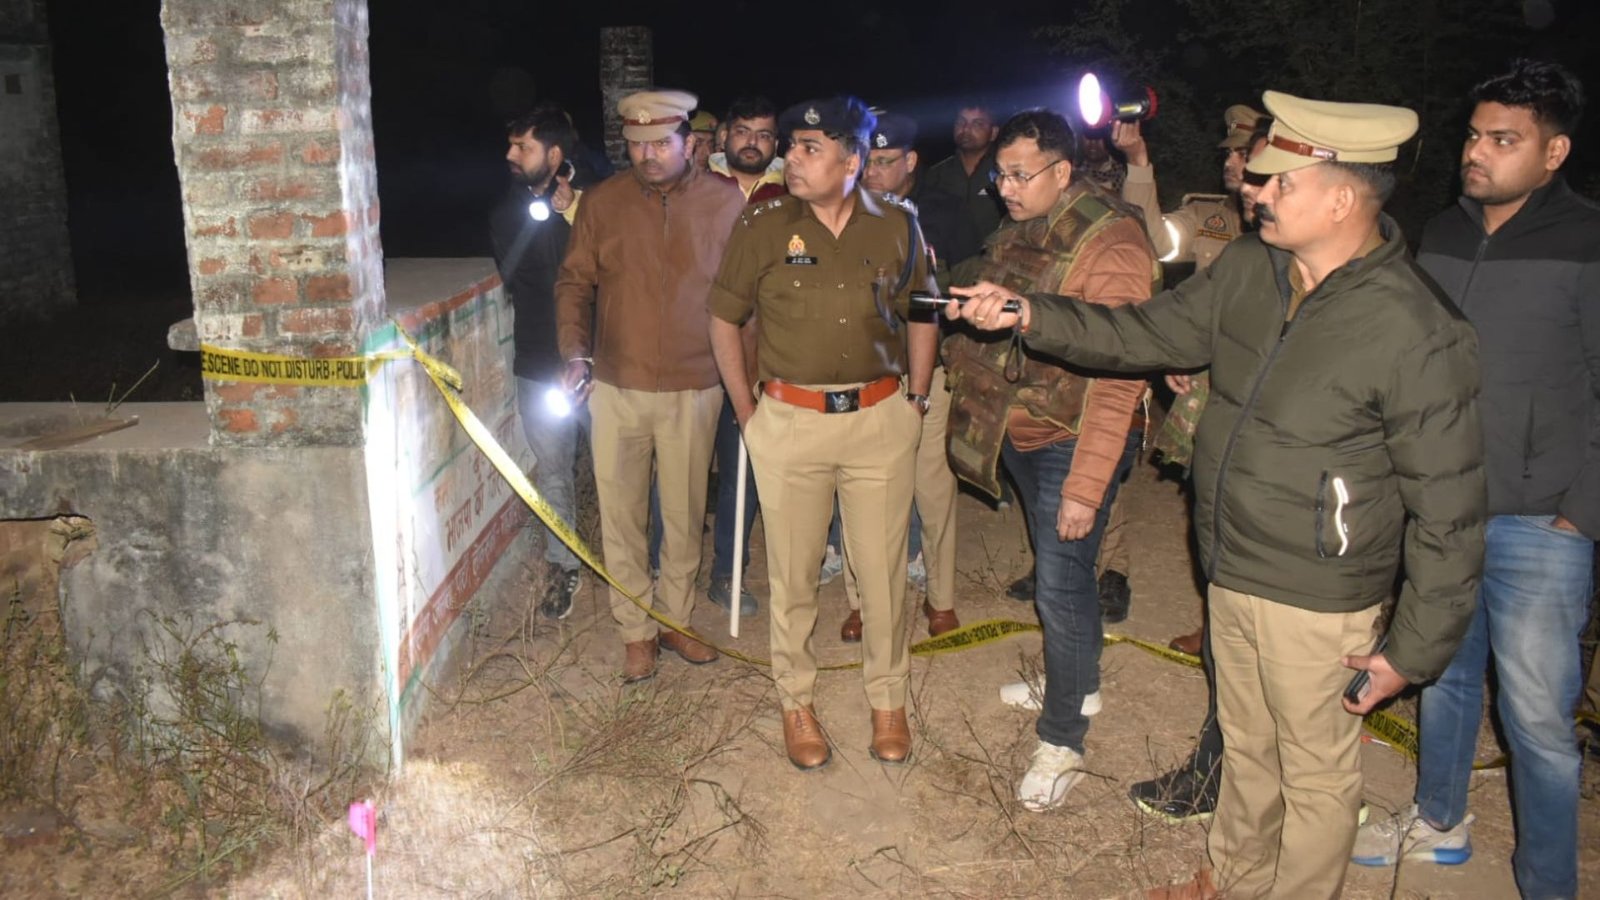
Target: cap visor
[1236, 141]
[1272, 160]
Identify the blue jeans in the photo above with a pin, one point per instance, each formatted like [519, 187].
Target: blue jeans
[913, 543]
[554, 441]
[727, 450]
[1066, 594]
[1532, 605]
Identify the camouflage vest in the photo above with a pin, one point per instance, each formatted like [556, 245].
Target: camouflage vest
[1027, 257]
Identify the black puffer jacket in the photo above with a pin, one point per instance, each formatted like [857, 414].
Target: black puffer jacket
[1330, 442]
[1532, 290]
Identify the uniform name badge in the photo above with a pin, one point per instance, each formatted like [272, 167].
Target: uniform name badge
[797, 253]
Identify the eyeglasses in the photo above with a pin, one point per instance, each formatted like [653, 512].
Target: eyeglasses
[763, 136]
[884, 162]
[1017, 178]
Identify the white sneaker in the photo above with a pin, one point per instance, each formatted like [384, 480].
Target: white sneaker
[917, 573]
[1409, 836]
[1054, 771]
[1029, 695]
[832, 566]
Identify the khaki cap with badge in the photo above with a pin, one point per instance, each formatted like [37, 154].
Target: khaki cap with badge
[1306, 132]
[653, 115]
[1241, 121]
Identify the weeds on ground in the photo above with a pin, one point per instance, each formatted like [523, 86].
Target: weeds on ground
[43, 714]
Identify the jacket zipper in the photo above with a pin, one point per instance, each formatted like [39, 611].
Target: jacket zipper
[1466, 289]
[1244, 414]
[666, 234]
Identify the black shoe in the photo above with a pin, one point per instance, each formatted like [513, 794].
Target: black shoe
[721, 593]
[1115, 597]
[1021, 590]
[558, 603]
[1186, 794]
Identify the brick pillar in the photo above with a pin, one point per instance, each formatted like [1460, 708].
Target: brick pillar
[272, 131]
[627, 64]
[35, 252]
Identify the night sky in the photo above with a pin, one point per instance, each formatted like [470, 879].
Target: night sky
[446, 74]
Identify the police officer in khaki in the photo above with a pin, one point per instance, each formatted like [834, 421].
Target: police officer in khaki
[845, 375]
[1308, 501]
[631, 323]
[1203, 223]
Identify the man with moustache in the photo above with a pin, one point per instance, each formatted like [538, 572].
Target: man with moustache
[1342, 434]
[631, 325]
[529, 232]
[1067, 436]
[845, 379]
[749, 161]
[1520, 256]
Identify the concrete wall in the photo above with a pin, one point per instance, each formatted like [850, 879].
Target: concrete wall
[35, 252]
[362, 559]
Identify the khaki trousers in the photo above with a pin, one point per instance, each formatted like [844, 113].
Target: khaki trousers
[935, 495]
[677, 428]
[801, 459]
[1291, 768]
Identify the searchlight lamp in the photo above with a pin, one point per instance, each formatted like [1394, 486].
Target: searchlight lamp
[1097, 107]
[560, 402]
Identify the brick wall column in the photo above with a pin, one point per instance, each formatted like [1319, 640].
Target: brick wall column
[35, 252]
[272, 132]
[627, 64]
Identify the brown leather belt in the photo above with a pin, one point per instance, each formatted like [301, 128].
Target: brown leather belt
[848, 400]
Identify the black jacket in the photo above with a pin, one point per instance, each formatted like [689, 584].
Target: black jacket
[1329, 443]
[1532, 290]
[528, 252]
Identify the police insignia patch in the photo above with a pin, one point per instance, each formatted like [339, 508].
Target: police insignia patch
[797, 253]
[1215, 223]
[880, 140]
[812, 117]
[643, 118]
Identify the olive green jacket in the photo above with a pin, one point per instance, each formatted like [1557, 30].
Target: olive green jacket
[1330, 442]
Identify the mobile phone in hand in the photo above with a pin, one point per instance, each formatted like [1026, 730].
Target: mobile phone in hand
[1357, 688]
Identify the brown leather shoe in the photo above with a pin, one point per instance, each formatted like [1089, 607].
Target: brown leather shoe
[940, 620]
[804, 740]
[1197, 888]
[891, 736]
[1187, 643]
[693, 651]
[640, 662]
[850, 631]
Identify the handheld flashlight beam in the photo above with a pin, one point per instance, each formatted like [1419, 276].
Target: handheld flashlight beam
[1097, 108]
[559, 402]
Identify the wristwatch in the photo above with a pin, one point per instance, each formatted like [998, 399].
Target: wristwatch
[921, 400]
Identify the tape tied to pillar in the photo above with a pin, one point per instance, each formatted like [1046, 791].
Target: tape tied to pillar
[237, 365]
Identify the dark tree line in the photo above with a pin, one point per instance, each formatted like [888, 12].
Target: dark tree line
[1422, 54]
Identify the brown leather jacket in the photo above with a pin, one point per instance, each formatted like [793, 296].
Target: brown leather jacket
[632, 290]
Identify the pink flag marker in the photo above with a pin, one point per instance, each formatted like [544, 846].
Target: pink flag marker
[364, 822]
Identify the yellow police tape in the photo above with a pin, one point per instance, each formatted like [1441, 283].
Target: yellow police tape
[236, 365]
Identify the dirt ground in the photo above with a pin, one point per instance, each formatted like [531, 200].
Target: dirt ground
[682, 784]
[537, 774]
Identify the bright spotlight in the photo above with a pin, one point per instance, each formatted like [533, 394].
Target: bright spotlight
[1097, 108]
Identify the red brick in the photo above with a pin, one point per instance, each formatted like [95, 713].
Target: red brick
[328, 287]
[252, 325]
[212, 266]
[285, 392]
[317, 320]
[331, 225]
[271, 226]
[279, 120]
[320, 153]
[232, 157]
[238, 391]
[282, 189]
[238, 420]
[276, 290]
[217, 228]
[208, 120]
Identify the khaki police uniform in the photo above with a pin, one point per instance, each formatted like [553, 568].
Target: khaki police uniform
[826, 309]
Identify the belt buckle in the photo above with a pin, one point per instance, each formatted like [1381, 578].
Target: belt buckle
[841, 401]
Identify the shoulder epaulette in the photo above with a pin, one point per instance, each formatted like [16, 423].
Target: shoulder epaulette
[751, 213]
[893, 199]
[1204, 198]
